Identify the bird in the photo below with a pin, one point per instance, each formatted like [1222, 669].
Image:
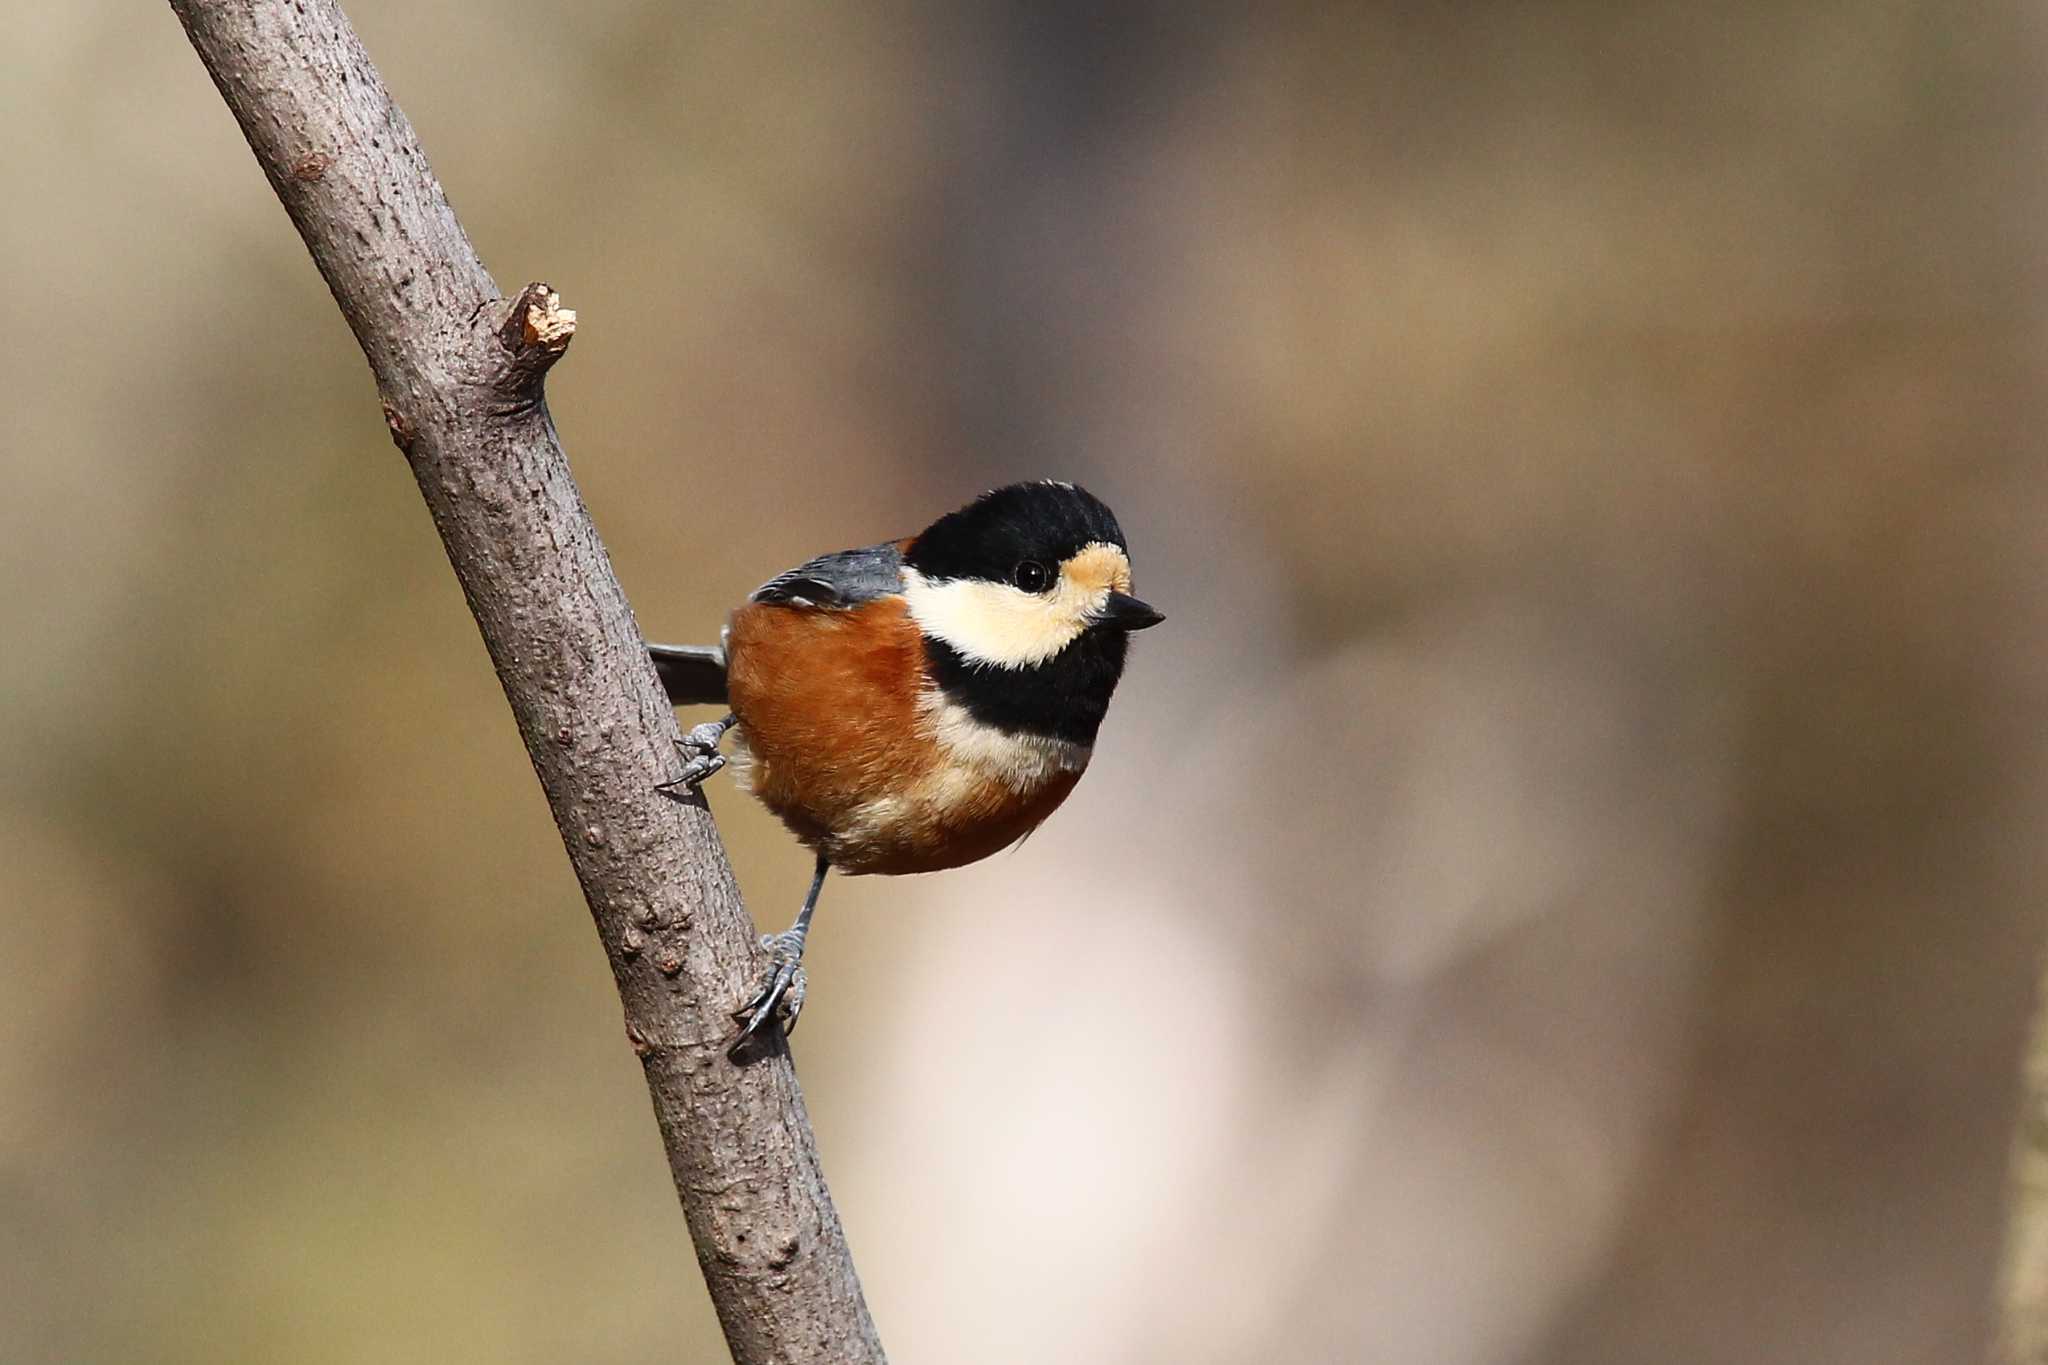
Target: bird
[918, 704]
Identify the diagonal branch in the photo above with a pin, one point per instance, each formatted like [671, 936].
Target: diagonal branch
[460, 374]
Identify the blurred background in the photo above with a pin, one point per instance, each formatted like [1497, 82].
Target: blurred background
[1562, 888]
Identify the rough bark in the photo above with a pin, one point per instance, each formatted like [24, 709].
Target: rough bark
[460, 370]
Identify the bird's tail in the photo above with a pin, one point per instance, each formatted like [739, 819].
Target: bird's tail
[692, 675]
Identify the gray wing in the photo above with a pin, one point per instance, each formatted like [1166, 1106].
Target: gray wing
[695, 674]
[845, 579]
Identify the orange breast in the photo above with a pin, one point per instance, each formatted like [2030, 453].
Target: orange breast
[836, 742]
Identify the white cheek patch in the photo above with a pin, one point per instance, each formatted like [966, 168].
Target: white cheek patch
[1004, 626]
[994, 623]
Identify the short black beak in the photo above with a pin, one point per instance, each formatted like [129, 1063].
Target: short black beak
[1126, 612]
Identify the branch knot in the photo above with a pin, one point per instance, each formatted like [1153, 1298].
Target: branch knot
[535, 332]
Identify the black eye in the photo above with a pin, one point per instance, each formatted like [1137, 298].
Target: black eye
[1031, 576]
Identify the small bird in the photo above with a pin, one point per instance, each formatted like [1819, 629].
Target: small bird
[919, 704]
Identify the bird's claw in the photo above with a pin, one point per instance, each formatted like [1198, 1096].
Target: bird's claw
[699, 748]
[782, 993]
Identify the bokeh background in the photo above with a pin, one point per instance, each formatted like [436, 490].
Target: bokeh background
[1562, 888]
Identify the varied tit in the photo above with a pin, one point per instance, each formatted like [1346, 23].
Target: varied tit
[918, 704]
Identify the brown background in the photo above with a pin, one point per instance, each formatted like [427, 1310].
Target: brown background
[1561, 889]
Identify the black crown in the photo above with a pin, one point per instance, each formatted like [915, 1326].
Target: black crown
[990, 536]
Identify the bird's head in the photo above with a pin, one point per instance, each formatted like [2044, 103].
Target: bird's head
[1019, 575]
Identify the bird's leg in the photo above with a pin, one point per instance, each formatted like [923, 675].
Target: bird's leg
[784, 987]
[699, 747]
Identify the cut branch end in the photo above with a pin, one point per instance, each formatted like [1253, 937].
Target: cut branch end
[538, 322]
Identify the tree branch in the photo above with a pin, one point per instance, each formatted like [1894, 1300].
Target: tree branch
[460, 373]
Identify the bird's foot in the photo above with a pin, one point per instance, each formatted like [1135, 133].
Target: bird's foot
[699, 748]
[782, 992]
